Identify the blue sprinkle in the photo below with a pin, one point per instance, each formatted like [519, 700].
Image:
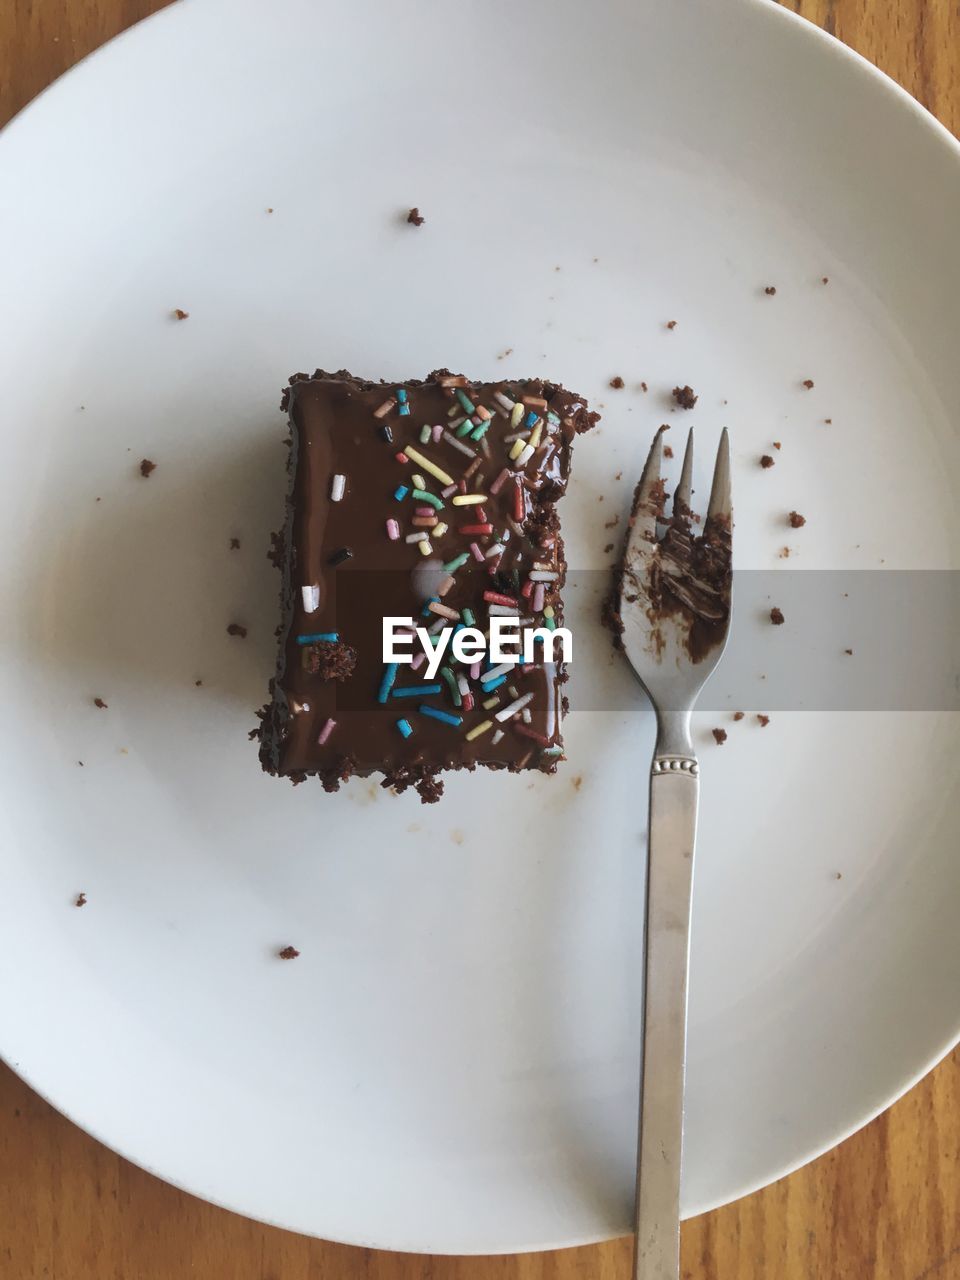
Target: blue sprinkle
[386, 684]
[404, 410]
[417, 690]
[400, 492]
[531, 419]
[425, 611]
[324, 637]
[436, 714]
[401, 395]
[493, 684]
[465, 400]
[405, 727]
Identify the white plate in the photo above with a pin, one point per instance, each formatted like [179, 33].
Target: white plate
[450, 1065]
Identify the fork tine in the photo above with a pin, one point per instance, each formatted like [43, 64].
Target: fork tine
[649, 493]
[681, 498]
[720, 504]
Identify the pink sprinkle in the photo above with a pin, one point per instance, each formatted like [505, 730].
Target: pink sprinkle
[393, 530]
[495, 597]
[475, 671]
[468, 702]
[418, 661]
[424, 511]
[499, 482]
[451, 488]
[527, 589]
[538, 594]
[436, 433]
[477, 553]
[325, 732]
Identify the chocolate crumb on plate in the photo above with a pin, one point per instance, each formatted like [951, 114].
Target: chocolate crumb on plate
[671, 324]
[644, 387]
[288, 953]
[685, 397]
[80, 900]
[797, 521]
[824, 279]
[234, 544]
[608, 548]
[667, 451]
[808, 383]
[764, 721]
[235, 629]
[848, 652]
[776, 616]
[617, 383]
[766, 461]
[720, 736]
[777, 444]
[415, 217]
[770, 290]
[99, 702]
[146, 466]
[198, 683]
[738, 715]
[180, 314]
[784, 553]
[828, 421]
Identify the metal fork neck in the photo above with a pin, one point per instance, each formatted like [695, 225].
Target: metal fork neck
[673, 735]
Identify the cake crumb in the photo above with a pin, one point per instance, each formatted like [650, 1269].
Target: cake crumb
[671, 324]
[235, 629]
[269, 208]
[838, 875]
[828, 421]
[457, 836]
[667, 451]
[503, 354]
[764, 721]
[644, 387]
[180, 314]
[777, 444]
[797, 521]
[415, 217]
[288, 953]
[612, 524]
[824, 279]
[608, 548]
[80, 900]
[766, 461]
[719, 736]
[99, 702]
[80, 763]
[770, 290]
[776, 616]
[146, 467]
[848, 652]
[784, 553]
[618, 476]
[738, 715]
[577, 781]
[234, 544]
[617, 383]
[808, 383]
[685, 397]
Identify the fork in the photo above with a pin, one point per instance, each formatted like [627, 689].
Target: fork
[674, 612]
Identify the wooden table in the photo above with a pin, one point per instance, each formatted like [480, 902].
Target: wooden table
[883, 1206]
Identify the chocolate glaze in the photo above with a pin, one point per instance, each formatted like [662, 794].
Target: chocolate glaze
[334, 430]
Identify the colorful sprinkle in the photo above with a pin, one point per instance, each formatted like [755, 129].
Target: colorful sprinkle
[478, 730]
[436, 433]
[503, 400]
[440, 530]
[531, 419]
[450, 489]
[421, 495]
[424, 522]
[465, 428]
[320, 637]
[386, 684]
[451, 681]
[436, 714]
[475, 550]
[393, 530]
[416, 537]
[489, 688]
[477, 530]
[491, 703]
[516, 415]
[418, 482]
[338, 485]
[497, 737]
[311, 598]
[385, 408]
[325, 732]
[404, 408]
[514, 707]
[518, 447]
[494, 597]
[401, 457]
[443, 611]
[524, 457]
[538, 596]
[468, 499]
[426, 547]
[499, 482]
[480, 431]
[532, 733]
[496, 672]
[430, 467]
[453, 565]
[386, 433]
[400, 492]
[425, 433]
[405, 727]
[469, 619]
[519, 501]
[468, 405]
[417, 691]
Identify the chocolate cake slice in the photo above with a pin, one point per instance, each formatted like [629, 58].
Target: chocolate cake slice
[436, 501]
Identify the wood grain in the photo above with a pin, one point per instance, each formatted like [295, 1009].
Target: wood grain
[883, 1206]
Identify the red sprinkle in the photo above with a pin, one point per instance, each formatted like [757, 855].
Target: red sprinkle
[494, 597]
[462, 486]
[527, 589]
[402, 457]
[531, 733]
[519, 502]
[480, 515]
[467, 702]
[476, 528]
[498, 483]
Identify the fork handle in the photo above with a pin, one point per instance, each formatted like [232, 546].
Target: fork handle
[674, 790]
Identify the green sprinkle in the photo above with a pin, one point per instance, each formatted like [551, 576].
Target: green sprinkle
[464, 429]
[452, 685]
[421, 495]
[551, 625]
[425, 433]
[465, 400]
[480, 431]
[453, 565]
[468, 617]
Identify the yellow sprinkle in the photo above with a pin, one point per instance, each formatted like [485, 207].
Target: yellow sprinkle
[515, 452]
[431, 467]
[532, 442]
[491, 702]
[548, 611]
[440, 529]
[425, 547]
[418, 481]
[481, 728]
[468, 499]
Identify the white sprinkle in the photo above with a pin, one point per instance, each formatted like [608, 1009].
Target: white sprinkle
[516, 435]
[526, 716]
[497, 737]
[496, 672]
[539, 564]
[514, 707]
[496, 550]
[538, 597]
[503, 611]
[311, 598]
[463, 684]
[393, 530]
[418, 482]
[539, 575]
[436, 433]
[524, 457]
[422, 536]
[517, 529]
[503, 400]
[338, 485]
[458, 444]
